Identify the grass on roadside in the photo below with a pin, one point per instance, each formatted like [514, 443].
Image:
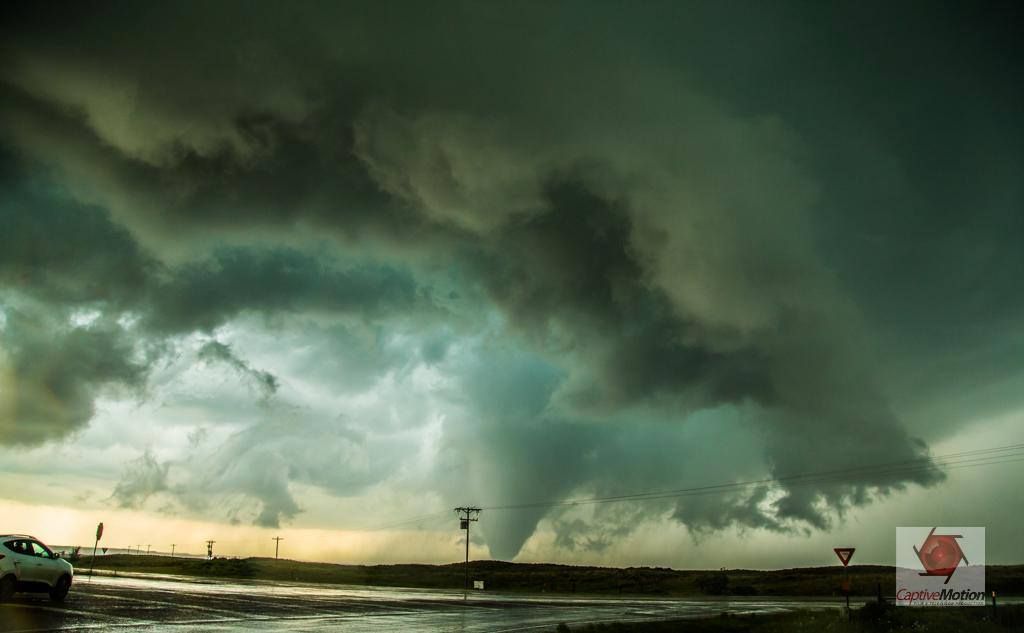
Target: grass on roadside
[870, 619]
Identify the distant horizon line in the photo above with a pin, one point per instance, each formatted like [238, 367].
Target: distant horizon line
[126, 552]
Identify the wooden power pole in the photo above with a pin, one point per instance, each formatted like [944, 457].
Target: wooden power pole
[467, 516]
[277, 544]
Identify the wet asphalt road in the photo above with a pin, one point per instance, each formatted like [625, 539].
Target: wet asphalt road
[180, 605]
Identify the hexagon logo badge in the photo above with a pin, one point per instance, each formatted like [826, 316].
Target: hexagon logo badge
[940, 554]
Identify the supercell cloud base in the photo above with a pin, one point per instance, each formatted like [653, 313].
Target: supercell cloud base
[325, 268]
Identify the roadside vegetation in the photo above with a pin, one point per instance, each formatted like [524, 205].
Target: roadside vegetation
[865, 580]
[873, 618]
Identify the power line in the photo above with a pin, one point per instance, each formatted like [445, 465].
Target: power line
[964, 458]
[467, 515]
[411, 521]
[747, 485]
[738, 486]
[949, 461]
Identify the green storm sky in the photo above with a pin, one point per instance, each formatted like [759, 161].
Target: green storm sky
[262, 260]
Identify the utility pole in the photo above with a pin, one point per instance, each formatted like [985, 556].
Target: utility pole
[147, 549]
[467, 516]
[209, 549]
[172, 550]
[277, 544]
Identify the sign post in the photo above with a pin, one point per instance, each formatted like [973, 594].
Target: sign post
[845, 554]
[99, 535]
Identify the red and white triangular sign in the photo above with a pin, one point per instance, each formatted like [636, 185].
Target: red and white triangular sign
[844, 554]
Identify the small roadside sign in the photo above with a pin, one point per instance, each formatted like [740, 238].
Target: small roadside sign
[844, 554]
[92, 561]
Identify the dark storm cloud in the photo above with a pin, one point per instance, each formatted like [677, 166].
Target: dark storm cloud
[52, 373]
[202, 295]
[217, 352]
[582, 293]
[585, 277]
[175, 153]
[63, 255]
[61, 260]
[61, 250]
[661, 237]
[704, 514]
[301, 175]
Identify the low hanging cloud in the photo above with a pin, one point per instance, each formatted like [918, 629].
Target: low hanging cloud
[216, 352]
[62, 258]
[51, 373]
[142, 478]
[249, 476]
[204, 294]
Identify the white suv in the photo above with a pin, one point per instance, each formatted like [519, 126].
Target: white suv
[28, 565]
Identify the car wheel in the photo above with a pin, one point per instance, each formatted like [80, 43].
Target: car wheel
[61, 589]
[6, 588]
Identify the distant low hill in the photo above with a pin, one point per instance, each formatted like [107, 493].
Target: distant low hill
[865, 580]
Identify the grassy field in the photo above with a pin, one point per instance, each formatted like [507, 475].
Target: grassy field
[870, 619]
[866, 580]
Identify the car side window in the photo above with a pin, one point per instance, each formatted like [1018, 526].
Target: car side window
[37, 549]
[13, 546]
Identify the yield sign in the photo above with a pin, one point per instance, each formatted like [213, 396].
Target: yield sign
[844, 554]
